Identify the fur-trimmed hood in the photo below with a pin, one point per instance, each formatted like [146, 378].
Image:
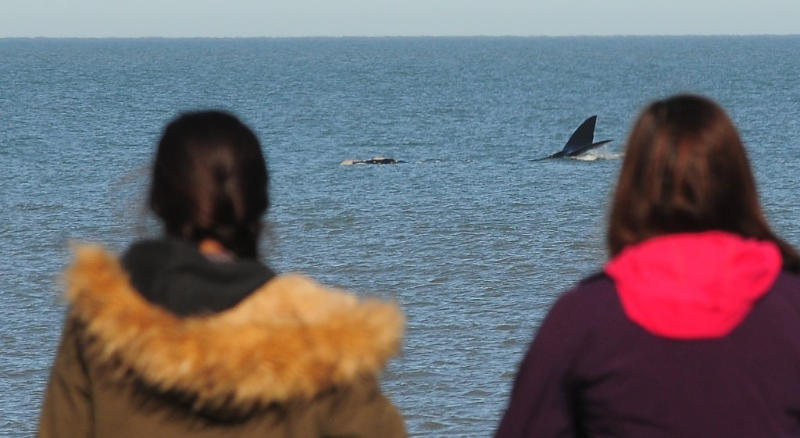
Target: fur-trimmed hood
[290, 339]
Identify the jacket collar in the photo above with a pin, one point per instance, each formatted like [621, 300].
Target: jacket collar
[289, 339]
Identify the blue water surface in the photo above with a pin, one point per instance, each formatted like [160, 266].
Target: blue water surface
[470, 236]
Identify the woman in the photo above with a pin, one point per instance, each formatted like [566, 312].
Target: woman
[693, 330]
[191, 335]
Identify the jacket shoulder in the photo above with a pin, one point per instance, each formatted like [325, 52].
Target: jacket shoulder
[359, 409]
[576, 313]
[786, 290]
[595, 290]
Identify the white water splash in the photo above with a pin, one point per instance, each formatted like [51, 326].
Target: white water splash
[601, 153]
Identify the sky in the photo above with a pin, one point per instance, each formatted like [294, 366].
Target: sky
[293, 18]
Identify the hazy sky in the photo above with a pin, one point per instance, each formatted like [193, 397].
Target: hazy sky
[234, 18]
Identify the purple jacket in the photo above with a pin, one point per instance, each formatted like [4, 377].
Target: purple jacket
[599, 368]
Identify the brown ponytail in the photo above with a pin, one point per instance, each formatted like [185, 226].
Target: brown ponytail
[210, 181]
[686, 170]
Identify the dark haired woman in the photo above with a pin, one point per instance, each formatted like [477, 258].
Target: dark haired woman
[191, 335]
[693, 330]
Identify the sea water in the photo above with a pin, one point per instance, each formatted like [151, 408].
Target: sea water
[470, 236]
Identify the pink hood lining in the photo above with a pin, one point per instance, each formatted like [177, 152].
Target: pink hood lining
[693, 285]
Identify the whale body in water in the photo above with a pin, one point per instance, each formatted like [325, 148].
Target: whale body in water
[373, 160]
[580, 141]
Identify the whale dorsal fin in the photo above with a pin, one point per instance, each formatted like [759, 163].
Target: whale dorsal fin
[582, 136]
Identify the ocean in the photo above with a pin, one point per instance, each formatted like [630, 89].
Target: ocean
[470, 236]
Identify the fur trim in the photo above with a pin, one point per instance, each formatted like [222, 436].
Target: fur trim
[290, 339]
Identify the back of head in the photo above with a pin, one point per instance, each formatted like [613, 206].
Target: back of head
[686, 170]
[210, 181]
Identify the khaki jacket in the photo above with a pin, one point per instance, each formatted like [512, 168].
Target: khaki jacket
[293, 359]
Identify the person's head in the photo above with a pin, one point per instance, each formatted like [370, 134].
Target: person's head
[686, 170]
[210, 181]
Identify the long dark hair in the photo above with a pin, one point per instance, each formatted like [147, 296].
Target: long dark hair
[686, 170]
[210, 181]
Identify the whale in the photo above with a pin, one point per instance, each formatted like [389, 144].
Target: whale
[581, 141]
[373, 160]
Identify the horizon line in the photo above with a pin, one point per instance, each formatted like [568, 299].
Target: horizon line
[231, 37]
